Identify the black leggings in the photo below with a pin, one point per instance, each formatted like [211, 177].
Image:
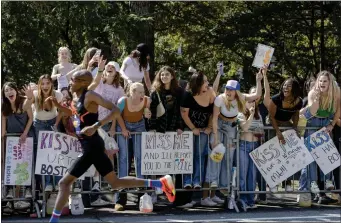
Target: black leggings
[93, 154]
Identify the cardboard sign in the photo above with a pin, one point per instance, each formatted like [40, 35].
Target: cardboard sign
[18, 165]
[323, 150]
[263, 55]
[167, 153]
[56, 153]
[276, 162]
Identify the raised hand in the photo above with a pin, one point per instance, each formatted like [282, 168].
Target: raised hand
[28, 91]
[101, 63]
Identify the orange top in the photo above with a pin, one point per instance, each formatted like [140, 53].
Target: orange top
[135, 116]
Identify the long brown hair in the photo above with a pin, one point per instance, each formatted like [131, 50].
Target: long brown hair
[6, 107]
[115, 81]
[87, 57]
[159, 86]
[40, 96]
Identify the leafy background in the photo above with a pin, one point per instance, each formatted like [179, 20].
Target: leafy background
[306, 35]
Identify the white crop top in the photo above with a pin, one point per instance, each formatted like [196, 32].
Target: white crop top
[220, 102]
[44, 115]
[132, 70]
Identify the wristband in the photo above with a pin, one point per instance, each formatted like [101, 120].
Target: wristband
[100, 71]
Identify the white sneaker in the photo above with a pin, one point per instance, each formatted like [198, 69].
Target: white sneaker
[214, 184]
[48, 188]
[188, 205]
[96, 187]
[99, 202]
[197, 186]
[9, 193]
[193, 203]
[56, 188]
[288, 188]
[28, 193]
[208, 202]
[217, 200]
[21, 205]
[314, 188]
[329, 185]
[189, 186]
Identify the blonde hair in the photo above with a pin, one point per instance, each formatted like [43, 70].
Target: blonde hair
[329, 102]
[40, 96]
[134, 86]
[68, 52]
[240, 102]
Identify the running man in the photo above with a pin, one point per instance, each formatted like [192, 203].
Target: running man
[85, 119]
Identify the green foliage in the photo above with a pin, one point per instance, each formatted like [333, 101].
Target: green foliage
[208, 32]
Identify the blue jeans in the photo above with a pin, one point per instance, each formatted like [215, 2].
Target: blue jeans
[124, 162]
[221, 172]
[200, 150]
[40, 125]
[309, 173]
[247, 171]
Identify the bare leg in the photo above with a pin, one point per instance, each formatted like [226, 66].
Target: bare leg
[64, 191]
[125, 182]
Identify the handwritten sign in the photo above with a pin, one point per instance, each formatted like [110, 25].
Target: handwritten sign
[18, 165]
[56, 153]
[276, 162]
[167, 153]
[263, 55]
[323, 150]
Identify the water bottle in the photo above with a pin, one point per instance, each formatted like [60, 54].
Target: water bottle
[77, 123]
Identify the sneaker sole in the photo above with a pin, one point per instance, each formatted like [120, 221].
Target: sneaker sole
[168, 183]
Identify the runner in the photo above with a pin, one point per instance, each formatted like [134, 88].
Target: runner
[85, 104]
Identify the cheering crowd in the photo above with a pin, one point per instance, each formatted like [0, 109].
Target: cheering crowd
[177, 106]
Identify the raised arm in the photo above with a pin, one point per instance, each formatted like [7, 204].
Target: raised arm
[258, 93]
[96, 81]
[267, 97]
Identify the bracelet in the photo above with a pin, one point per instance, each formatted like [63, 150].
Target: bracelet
[100, 71]
[98, 124]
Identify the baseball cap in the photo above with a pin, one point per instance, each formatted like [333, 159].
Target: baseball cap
[115, 65]
[233, 85]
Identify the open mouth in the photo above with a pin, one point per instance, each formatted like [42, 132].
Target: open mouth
[11, 97]
[141, 99]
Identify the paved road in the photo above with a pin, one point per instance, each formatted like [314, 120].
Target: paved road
[264, 213]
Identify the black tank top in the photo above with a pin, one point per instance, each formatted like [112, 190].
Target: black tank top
[86, 118]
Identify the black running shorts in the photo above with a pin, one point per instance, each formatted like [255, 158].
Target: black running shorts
[93, 153]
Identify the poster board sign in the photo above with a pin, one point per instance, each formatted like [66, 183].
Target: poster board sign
[323, 150]
[18, 164]
[56, 153]
[263, 55]
[276, 162]
[167, 153]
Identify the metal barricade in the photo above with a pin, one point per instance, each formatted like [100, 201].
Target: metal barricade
[34, 207]
[247, 176]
